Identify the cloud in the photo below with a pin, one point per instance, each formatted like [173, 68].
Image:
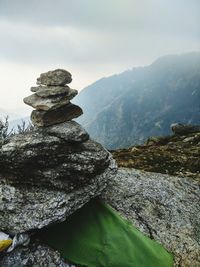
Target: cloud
[112, 15]
[83, 30]
[45, 44]
[92, 38]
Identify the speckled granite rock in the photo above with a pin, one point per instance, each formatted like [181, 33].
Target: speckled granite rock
[45, 157]
[24, 207]
[48, 173]
[164, 207]
[35, 255]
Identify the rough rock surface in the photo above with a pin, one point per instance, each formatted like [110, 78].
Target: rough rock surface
[164, 207]
[36, 255]
[24, 208]
[49, 173]
[49, 103]
[45, 157]
[51, 117]
[55, 77]
[70, 131]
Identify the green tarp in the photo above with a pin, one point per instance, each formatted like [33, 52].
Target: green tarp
[96, 236]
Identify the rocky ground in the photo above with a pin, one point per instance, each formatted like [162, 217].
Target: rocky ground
[178, 154]
[164, 207]
[49, 172]
[157, 188]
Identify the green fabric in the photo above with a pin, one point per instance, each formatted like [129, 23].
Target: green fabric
[96, 236]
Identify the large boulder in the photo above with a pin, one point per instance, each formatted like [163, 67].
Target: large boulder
[164, 207]
[183, 129]
[47, 174]
[60, 156]
[24, 208]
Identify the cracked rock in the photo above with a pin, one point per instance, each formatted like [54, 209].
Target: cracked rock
[164, 207]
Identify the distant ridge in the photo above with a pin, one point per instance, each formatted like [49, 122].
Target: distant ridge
[125, 109]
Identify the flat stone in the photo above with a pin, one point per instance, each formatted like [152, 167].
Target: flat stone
[46, 91]
[55, 77]
[51, 117]
[48, 103]
[45, 104]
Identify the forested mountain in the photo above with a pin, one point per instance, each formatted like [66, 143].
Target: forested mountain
[125, 109]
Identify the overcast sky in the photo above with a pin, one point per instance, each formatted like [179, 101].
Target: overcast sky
[89, 38]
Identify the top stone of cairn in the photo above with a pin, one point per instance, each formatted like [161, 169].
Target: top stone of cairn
[55, 77]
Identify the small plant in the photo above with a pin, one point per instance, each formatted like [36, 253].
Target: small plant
[24, 128]
[5, 133]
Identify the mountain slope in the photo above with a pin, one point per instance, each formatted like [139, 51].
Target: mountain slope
[125, 109]
[177, 154]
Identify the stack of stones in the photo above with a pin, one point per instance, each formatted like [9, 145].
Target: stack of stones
[48, 173]
[51, 99]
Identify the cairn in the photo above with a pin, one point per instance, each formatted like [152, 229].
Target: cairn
[51, 99]
[48, 173]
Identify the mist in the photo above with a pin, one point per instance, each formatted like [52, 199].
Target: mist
[91, 39]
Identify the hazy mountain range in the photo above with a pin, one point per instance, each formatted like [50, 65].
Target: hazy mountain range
[125, 109]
